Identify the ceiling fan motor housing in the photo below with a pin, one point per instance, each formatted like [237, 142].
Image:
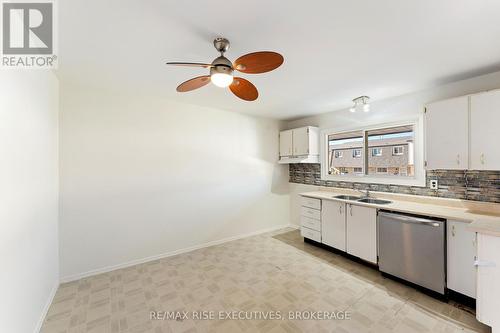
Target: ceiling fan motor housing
[221, 65]
[221, 44]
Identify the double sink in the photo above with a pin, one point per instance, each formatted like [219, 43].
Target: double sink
[365, 199]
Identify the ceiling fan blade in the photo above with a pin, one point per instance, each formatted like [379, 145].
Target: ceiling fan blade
[193, 84]
[189, 64]
[258, 62]
[244, 89]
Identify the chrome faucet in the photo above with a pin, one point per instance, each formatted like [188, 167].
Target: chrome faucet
[366, 193]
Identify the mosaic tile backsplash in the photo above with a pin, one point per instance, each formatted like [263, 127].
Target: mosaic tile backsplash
[457, 184]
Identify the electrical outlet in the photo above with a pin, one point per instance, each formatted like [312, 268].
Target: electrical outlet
[434, 184]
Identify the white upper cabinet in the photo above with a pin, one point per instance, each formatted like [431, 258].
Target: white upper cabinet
[286, 143]
[333, 221]
[447, 134]
[484, 126]
[299, 145]
[460, 133]
[301, 141]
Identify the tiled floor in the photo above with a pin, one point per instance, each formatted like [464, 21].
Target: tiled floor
[270, 272]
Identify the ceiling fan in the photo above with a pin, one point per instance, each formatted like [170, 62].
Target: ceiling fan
[221, 71]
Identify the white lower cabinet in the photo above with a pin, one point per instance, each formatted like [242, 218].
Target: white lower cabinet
[361, 226]
[310, 223]
[333, 221]
[488, 277]
[461, 253]
[310, 218]
[310, 234]
[350, 228]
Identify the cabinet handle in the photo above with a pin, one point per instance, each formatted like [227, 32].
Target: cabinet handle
[340, 209]
[484, 263]
[458, 159]
[482, 158]
[453, 231]
[350, 208]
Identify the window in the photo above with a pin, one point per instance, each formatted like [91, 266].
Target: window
[373, 155]
[397, 150]
[393, 139]
[337, 144]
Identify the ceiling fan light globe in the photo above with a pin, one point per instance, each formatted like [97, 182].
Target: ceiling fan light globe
[221, 80]
[366, 107]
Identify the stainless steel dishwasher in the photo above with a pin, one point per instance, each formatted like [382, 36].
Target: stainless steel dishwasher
[413, 248]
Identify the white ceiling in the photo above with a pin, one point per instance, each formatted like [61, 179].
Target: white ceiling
[334, 50]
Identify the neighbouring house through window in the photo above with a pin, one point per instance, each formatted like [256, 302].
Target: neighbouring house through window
[345, 142]
[385, 151]
[400, 141]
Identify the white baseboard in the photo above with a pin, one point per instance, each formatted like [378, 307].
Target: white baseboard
[45, 310]
[169, 254]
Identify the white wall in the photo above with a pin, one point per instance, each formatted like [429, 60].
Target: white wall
[28, 197]
[142, 177]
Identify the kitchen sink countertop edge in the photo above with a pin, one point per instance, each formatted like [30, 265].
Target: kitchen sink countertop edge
[485, 220]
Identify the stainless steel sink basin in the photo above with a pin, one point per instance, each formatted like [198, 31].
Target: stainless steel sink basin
[347, 197]
[375, 201]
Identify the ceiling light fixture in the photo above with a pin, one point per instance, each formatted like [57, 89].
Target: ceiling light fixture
[221, 74]
[221, 80]
[361, 101]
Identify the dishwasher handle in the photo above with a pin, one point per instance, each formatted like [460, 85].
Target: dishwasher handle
[412, 219]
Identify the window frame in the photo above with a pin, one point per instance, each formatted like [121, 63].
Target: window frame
[383, 172]
[373, 152]
[338, 154]
[397, 154]
[357, 172]
[354, 155]
[418, 179]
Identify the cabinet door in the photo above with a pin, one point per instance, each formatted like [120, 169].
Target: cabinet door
[484, 120]
[447, 134]
[286, 143]
[461, 253]
[301, 141]
[333, 224]
[362, 232]
[488, 275]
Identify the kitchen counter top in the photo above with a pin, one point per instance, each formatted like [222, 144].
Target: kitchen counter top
[483, 217]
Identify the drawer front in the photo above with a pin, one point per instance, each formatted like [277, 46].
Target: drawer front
[310, 212]
[310, 223]
[311, 202]
[311, 234]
